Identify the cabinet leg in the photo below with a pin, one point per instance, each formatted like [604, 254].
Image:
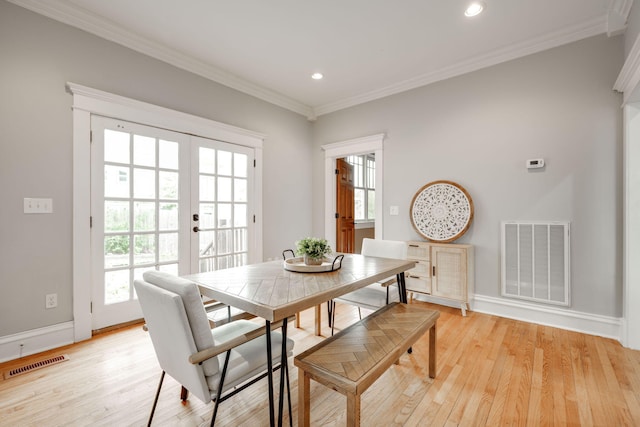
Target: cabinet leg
[463, 307]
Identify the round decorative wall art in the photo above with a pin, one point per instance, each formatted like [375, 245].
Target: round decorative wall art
[441, 211]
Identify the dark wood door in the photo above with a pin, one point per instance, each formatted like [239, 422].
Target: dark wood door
[345, 227]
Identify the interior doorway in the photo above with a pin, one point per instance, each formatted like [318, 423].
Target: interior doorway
[345, 220]
[355, 201]
[369, 145]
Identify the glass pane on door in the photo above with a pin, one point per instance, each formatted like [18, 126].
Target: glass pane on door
[132, 235]
[136, 211]
[223, 205]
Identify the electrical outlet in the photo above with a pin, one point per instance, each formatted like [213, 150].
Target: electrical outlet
[51, 301]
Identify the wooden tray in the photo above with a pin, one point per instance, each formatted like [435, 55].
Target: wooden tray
[328, 264]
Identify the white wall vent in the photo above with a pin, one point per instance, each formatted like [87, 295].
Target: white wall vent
[535, 261]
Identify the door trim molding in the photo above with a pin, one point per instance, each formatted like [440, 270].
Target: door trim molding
[631, 227]
[367, 144]
[88, 101]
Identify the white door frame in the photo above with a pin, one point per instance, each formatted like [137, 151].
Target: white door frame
[631, 229]
[628, 83]
[368, 144]
[88, 101]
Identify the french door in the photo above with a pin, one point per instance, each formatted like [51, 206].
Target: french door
[222, 176]
[162, 200]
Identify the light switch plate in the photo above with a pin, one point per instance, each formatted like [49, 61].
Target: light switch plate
[393, 210]
[33, 205]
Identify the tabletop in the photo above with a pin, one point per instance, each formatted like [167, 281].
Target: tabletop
[269, 291]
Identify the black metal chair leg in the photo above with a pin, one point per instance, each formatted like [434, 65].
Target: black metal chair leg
[289, 394]
[329, 312]
[220, 385]
[155, 401]
[184, 394]
[272, 420]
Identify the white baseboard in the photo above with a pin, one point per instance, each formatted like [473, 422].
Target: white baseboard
[588, 323]
[35, 341]
[47, 338]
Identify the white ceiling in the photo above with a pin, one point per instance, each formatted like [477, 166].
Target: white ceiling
[367, 49]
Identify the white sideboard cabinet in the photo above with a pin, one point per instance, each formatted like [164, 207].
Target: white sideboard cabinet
[443, 270]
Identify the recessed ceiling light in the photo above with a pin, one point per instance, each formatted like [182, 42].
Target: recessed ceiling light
[317, 76]
[475, 8]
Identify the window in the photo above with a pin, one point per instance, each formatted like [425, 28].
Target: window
[364, 186]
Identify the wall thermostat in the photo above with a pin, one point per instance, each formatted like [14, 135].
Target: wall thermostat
[535, 163]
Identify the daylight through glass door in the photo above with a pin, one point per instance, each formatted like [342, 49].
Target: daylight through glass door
[138, 194]
[222, 222]
[166, 201]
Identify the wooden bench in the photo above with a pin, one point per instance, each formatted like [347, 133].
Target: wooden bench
[353, 359]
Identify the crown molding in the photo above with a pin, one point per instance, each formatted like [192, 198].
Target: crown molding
[548, 41]
[612, 23]
[629, 76]
[69, 14]
[622, 7]
[617, 17]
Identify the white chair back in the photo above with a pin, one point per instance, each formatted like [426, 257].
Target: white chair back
[179, 328]
[193, 306]
[170, 331]
[384, 248]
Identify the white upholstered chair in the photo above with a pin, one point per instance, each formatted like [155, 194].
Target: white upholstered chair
[213, 364]
[374, 296]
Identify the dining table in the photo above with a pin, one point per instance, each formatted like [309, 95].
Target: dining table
[270, 291]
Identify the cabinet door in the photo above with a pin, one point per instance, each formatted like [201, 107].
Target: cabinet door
[449, 270]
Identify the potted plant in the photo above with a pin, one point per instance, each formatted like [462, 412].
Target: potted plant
[313, 250]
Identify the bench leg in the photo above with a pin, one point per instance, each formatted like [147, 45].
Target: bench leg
[304, 400]
[432, 351]
[353, 410]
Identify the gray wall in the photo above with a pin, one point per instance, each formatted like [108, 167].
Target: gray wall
[37, 57]
[478, 130]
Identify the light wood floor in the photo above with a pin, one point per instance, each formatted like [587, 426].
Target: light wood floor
[491, 371]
